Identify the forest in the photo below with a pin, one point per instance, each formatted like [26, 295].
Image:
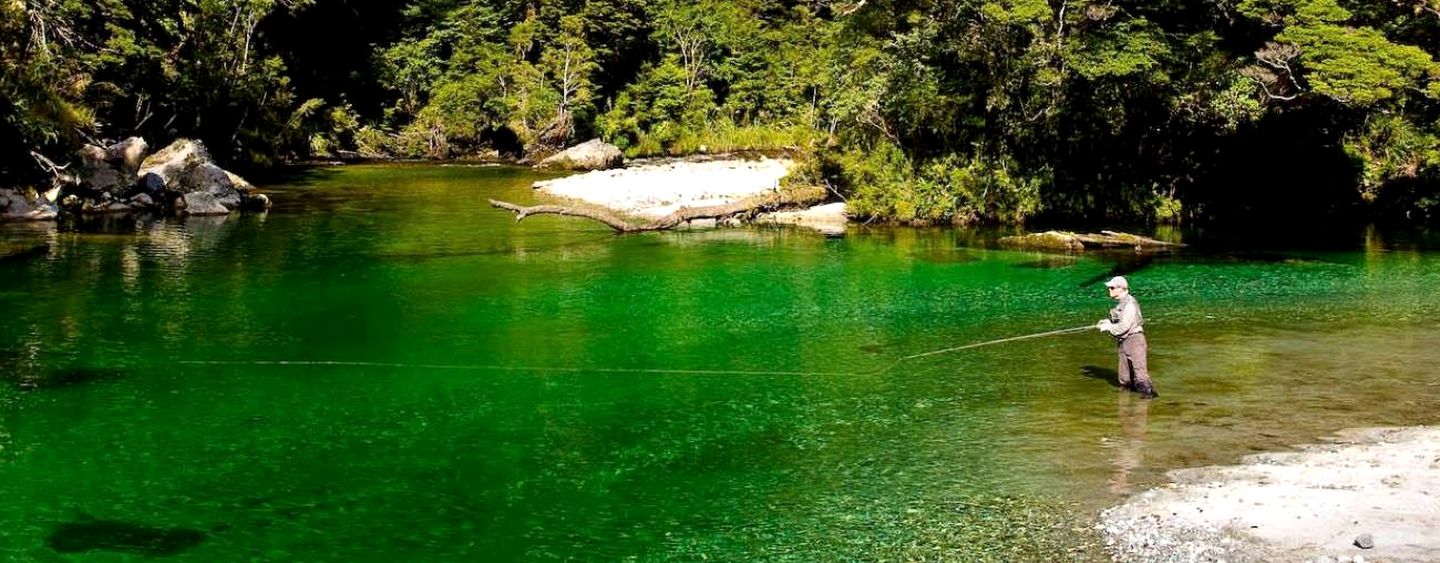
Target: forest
[913, 111]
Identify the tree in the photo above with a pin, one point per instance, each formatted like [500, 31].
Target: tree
[569, 62]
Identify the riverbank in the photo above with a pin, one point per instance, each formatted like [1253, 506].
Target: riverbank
[1367, 492]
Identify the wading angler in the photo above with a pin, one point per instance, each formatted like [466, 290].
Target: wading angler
[1127, 325]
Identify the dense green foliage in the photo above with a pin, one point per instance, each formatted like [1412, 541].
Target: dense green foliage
[914, 110]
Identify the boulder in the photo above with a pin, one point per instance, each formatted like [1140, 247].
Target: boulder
[185, 167]
[142, 201]
[127, 155]
[200, 203]
[97, 174]
[211, 179]
[590, 155]
[91, 157]
[152, 183]
[238, 182]
[256, 202]
[29, 206]
[171, 163]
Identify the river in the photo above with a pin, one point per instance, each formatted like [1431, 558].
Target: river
[385, 368]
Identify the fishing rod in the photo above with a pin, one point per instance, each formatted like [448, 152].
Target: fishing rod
[1001, 341]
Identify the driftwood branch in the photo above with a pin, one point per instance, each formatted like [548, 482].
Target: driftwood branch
[794, 197]
[1068, 241]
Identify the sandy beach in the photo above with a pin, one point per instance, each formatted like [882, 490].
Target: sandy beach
[655, 189]
[1361, 495]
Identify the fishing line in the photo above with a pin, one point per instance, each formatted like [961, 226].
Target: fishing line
[484, 367]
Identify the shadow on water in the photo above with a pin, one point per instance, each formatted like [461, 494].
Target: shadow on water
[26, 377]
[24, 253]
[1051, 262]
[71, 378]
[945, 256]
[114, 535]
[297, 175]
[1122, 265]
[1107, 375]
[1126, 264]
[874, 349]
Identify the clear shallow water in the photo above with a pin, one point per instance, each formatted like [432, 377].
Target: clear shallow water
[385, 368]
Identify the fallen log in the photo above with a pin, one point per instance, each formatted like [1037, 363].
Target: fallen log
[787, 198]
[1068, 241]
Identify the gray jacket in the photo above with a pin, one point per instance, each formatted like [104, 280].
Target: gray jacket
[1125, 318]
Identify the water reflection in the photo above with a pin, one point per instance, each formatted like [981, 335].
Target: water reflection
[1133, 416]
[23, 241]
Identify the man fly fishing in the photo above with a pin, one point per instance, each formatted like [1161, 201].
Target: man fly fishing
[1126, 324]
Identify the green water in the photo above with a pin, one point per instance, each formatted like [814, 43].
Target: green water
[384, 368]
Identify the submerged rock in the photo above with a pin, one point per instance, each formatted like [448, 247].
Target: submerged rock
[1066, 241]
[113, 535]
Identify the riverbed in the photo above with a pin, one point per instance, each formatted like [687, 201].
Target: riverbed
[384, 367]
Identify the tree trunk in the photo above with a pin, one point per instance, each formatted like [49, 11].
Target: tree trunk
[795, 197]
[1068, 241]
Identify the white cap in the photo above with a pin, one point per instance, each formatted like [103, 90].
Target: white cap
[1118, 281]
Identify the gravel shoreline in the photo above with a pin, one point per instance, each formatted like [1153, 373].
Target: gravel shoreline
[1366, 494]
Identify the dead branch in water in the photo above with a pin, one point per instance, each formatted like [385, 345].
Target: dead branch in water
[793, 197]
[1069, 241]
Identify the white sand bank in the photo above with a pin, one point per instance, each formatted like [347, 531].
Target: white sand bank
[656, 189]
[1308, 505]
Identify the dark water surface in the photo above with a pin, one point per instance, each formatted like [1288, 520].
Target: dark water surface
[384, 368]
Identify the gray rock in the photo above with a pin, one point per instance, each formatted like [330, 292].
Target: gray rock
[590, 155]
[142, 201]
[209, 178]
[127, 155]
[171, 163]
[152, 183]
[103, 207]
[256, 202]
[200, 203]
[97, 174]
[238, 182]
[107, 180]
[1365, 541]
[91, 156]
[17, 206]
[185, 167]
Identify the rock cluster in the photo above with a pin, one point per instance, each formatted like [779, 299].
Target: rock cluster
[122, 177]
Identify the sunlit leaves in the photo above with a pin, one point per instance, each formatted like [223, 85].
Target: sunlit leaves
[1390, 147]
[1134, 48]
[1358, 65]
